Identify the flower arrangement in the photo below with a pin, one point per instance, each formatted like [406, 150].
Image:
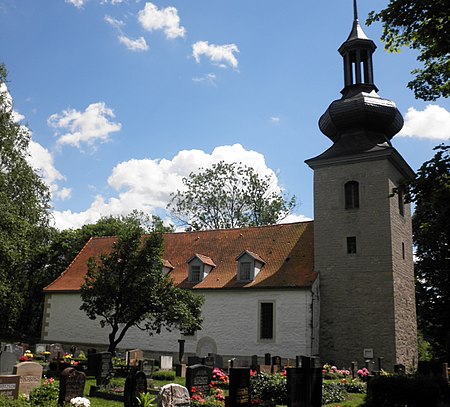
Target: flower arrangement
[332, 372]
[363, 373]
[80, 402]
[219, 376]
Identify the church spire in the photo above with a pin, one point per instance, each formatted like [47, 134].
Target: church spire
[357, 52]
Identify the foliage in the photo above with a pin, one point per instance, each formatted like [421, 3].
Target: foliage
[229, 196]
[332, 392]
[145, 400]
[400, 391]
[269, 389]
[425, 350]
[126, 288]
[424, 26]
[330, 372]
[430, 191]
[353, 386]
[45, 395]
[166, 375]
[22, 401]
[216, 398]
[24, 217]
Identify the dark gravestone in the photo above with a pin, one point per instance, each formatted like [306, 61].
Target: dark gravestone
[100, 366]
[254, 364]
[304, 384]
[209, 361]
[56, 351]
[135, 383]
[276, 363]
[181, 350]
[9, 386]
[239, 387]
[218, 360]
[194, 360]
[198, 379]
[400, 369]
[71, 385]
[267, 359]
[8, 359]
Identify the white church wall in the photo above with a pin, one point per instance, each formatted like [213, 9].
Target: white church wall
[230, 325]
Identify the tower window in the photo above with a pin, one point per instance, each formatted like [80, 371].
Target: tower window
[401, 201]
[351, 244]
[266, 321]
[351, 189]
[403, 250]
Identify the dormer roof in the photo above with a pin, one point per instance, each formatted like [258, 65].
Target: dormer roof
[204, 259]
[251, 254]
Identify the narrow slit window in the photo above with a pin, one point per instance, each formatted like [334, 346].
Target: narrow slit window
[351, 245]
[351, 189]
[401, 202]
[403, 250]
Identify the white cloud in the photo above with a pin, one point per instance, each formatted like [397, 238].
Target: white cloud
[134, 45]
[146, 184]
[165, 19]
[209, 78]
[42, 162]
[88, 127]
[275, 120]
[76, 3]
[218, 54]
[114, 22]
[432, 123]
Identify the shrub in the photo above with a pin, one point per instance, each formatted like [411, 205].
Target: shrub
[164, 375]
[45, 395]
[269, 389]
[354, 386]
[20, 402]
[332, 392]
[399, 391]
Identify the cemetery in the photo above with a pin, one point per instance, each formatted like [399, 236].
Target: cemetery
[49, 377]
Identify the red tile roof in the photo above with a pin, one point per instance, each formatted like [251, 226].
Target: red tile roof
[287, 250]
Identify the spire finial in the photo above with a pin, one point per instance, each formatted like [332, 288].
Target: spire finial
[355, 10]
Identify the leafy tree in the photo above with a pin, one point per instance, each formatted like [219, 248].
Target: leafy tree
[228, 196]
[127, 289]
[430, 191]
[24, 215]
[424, 26]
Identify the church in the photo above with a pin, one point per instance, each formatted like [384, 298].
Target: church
[340, 287]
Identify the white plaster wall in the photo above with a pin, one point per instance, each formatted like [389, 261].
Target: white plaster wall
[230, 320]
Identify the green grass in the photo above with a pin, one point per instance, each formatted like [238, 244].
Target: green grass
[353, 400]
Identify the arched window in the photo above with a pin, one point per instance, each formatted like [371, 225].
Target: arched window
[351, 189]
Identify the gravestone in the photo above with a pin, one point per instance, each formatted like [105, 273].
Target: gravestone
[8, 359]
[135, 383]
[30, 374]
[254, 364]
[71, 385]
[218, 360]
[173, 395]
[9, 386]
[400, 369]
[100, 366]
[56, 351]
[198, 377]
[148, 367]
[134, 357]
[166, 362]
[267, 359]
[239, 387]
[40, 347]
[276, 363]
[304, 384]
[209, 361]
[194, 360]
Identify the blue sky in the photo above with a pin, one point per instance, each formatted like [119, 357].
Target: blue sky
[126, 97]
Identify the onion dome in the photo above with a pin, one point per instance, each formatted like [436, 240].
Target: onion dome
[361, 119]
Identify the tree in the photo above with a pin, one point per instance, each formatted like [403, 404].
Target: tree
[424, 26]
[24, 215]
[228, 196]
[430, 191]
[128, 289]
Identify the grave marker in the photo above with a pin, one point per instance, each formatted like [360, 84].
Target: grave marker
[9, 386]
[135, 383]
[166, 362]
[304, 384]
[100, 365]
[30, 374]
[239, 388]
[198, 377]
[71, 385]
[174, 395]
[8, 359]
[133, 357]
[56, 351]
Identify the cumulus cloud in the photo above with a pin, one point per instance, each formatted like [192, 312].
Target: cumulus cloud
[166, 19]
[134, 45]
[88, 127]
[76, 3]
[432, 123]
[42, 161]
[147, 184]
[221, 55]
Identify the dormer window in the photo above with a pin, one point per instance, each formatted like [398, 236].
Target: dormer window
[167, 267]
[249, 265]
[199, 268]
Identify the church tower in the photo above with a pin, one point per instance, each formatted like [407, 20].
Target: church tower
[362, 226]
